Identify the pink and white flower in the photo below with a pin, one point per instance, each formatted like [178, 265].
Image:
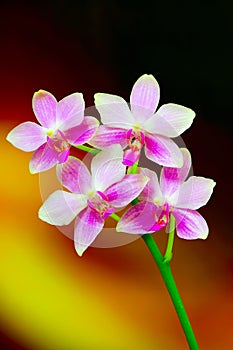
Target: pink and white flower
[141, 126]
[172, 195]
[62, 124]
[93, 197]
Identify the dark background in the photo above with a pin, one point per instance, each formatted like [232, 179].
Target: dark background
[186, 45]
[104, 46]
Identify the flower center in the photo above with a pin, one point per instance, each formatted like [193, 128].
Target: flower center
[135, 139]
[57, 141]
[99, 204]
[163, 218]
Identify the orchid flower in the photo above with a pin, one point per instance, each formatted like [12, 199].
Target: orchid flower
[141, 125]
[62, 124]
[173, 195]
[92, 198]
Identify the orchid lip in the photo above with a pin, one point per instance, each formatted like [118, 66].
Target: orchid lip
[99, 204]
[57, 141]
[163, 218]
[135, 139]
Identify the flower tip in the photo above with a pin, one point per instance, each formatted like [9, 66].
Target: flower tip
[80, 253]
[80, 249]
[213, 183]
[179, 162]
[32, 170]
[149, 78]
[118, 227]
[98, 97]
[41, 92]
[8, 137]
[204, 236]
[42, 214]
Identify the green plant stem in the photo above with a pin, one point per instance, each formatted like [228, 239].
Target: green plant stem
[165, 270]
[133, 169]
[115, 217]
[93, 151]
[172, 226]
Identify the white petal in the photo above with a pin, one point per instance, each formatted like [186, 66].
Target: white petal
[27, 136]
[114, 111]
[87, 227]
[170, 120]
[74, 175]
[151, 192]
[190, 224]
[61, 207]
[195, 192]
[172, 178]
[162, 150]
[144, 97]
[70, 111]
[44, 105]
[107, 167]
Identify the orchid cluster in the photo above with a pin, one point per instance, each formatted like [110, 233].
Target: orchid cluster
[115, 179]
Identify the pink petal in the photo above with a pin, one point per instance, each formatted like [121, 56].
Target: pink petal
[162, 150]
[131, 157]
[139, 219]
[62, 207]
[195, 192]
[44, 105]
[70, 111]
[144, 97]
[124, 191]
[43, 158]
[106, 136]
[170, 120]
[27, 136]
[107, 167]
[172, 178]
[83, 132]
[88, 225]
[74, 175]
[63, 156]
[114, 111]
[152, 191]
[190, 224]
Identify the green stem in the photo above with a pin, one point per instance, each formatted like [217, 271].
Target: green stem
[172, 224]
[133, 169]
[115, 217]
[165, 270]
[91, 150]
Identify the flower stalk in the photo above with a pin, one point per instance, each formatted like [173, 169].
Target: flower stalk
[93, 151]
[163, 264]
[165, 270]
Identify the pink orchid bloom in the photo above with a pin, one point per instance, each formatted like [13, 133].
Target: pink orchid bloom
[141, 125]
[173, 195]
[62, 124]
[92, 198]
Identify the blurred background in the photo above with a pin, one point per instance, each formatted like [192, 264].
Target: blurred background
[51, 299]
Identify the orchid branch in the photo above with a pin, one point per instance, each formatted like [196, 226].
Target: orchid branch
[165, 270]
[163, 264]
[91, 150]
